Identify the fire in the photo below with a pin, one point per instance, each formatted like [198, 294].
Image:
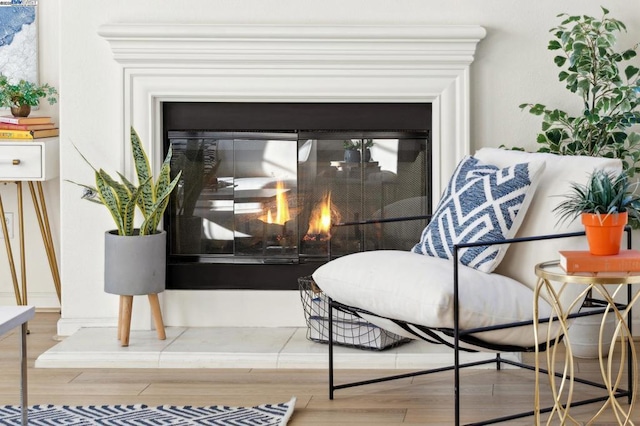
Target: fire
[320, 220]
[282, 207]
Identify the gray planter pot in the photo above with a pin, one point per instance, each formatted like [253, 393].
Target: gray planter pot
[351, 156]
[134, 265]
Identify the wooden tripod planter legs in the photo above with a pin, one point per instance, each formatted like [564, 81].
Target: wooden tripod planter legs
[124, 318]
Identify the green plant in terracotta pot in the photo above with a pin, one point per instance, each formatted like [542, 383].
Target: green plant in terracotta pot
[604, 203]
[23, 95]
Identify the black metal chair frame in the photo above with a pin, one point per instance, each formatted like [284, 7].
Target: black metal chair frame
[459, 335]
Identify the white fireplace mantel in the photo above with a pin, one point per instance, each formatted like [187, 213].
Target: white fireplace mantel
[289, 63]
[299, 63]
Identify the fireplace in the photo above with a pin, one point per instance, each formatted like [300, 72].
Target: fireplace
[143, 66]
[262, 183]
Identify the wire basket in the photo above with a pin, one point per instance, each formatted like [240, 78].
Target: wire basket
[348, 329]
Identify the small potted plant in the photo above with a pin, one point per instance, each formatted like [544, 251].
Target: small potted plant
[604, 204]
[351, 150]
[356, 149]
[23, 95]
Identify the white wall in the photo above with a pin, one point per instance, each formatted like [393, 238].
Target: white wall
[41, 290]
[512, 66]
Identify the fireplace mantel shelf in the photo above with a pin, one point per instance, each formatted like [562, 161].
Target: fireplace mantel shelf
[308, 46]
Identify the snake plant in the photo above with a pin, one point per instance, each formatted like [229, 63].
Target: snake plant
[121, 198]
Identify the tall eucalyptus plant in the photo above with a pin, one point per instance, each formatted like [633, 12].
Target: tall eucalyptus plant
[610, 95]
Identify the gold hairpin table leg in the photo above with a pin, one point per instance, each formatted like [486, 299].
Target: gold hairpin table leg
[12, 266]
[40, 208]
[23, 260]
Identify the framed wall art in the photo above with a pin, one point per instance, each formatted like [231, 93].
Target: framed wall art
[19, 39]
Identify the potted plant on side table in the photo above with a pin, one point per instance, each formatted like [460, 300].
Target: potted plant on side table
[23, 95]
[604, 204]
[135, 258]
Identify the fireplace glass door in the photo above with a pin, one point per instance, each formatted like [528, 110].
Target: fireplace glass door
[274, 197]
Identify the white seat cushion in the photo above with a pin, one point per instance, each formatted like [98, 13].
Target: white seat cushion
[419, 289]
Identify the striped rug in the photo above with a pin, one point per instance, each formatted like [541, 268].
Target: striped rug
[144, 415]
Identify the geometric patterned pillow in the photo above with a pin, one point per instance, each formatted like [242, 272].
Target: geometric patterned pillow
[480, 203]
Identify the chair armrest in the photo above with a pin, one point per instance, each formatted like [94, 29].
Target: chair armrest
[456, 247]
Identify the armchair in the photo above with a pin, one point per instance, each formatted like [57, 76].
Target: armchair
[455, 299]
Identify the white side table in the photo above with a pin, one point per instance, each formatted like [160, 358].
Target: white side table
[10, 318]
[31, 161]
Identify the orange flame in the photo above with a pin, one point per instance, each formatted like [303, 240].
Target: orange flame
[282, 207]
[320, 220]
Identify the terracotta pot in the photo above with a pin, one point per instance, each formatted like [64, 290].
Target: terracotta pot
[604, 232]
[21, 111]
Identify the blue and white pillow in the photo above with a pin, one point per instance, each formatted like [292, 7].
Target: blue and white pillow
[481, 202]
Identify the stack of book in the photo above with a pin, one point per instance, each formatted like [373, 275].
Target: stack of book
[583, 261]
[33, 127]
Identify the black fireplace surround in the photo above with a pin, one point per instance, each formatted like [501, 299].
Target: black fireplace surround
[391, 179]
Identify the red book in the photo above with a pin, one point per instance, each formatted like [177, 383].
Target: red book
[583, 261]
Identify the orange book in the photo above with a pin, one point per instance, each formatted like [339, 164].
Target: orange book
[9, 126]
[24, 120]
[583, 261]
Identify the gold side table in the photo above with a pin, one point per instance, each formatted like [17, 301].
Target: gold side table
[548, 272]
[31, 161]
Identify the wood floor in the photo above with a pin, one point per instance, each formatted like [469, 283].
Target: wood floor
[421, 400]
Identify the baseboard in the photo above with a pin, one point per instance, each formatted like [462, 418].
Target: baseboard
[44, 300]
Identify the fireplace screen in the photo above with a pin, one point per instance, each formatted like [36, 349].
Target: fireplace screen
[272, 197]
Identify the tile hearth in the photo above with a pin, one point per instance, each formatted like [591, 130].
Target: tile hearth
[220, 347]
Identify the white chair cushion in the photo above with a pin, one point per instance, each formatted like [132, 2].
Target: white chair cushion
[481, 202]
[419, 289]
